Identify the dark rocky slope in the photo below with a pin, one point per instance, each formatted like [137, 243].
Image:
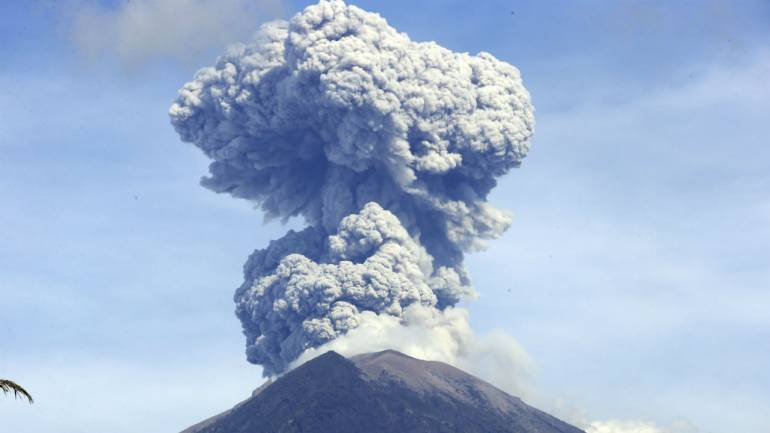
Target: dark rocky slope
[385, 392]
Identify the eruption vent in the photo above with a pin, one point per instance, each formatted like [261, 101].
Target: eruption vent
[387, 147]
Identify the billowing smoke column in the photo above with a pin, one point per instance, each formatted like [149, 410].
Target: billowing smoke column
[387, 147]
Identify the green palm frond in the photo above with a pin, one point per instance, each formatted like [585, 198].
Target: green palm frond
[9, 386]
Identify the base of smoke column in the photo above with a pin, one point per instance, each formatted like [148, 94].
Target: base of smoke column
[382, 392]
[445, 336]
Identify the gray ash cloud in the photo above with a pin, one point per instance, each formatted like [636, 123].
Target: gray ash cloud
[388, 149]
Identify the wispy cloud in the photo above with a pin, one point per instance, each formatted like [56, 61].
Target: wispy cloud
[639, 427]
[140, 31]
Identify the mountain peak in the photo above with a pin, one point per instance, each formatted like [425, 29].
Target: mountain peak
[382, 392]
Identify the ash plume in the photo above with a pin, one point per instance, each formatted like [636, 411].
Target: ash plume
[386, 147]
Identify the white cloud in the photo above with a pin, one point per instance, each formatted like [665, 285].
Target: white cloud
[139, 31]
[638, 427]
[622, 427]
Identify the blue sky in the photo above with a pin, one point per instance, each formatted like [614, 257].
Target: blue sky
[635, 274]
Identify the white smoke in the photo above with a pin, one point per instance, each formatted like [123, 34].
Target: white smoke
[387, 147]
[424, 333]
[435, 335]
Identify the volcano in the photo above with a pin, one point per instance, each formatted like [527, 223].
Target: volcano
[383, 392]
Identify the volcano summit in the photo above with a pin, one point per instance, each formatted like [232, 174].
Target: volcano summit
[384, 392]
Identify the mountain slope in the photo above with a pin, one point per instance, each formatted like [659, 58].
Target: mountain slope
[384, 392]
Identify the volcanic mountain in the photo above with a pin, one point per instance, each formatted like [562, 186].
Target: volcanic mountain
[383, 392]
